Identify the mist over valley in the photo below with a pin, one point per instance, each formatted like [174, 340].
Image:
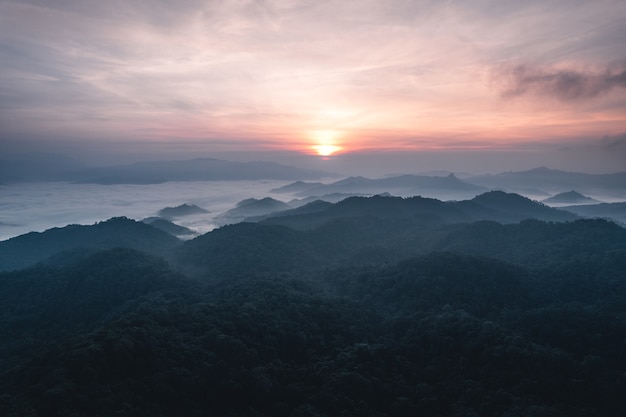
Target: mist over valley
[417, 293]
[312, 209]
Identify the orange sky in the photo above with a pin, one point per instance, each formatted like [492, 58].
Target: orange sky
[304, 76]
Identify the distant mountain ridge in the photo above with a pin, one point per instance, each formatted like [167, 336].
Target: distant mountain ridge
[498, 206]
[200, 169]
[613, 211]
[37, 166]
[403, 185]
[169, 227]
[494, 205]
[377, 307]
[153, 172]
[553, 180]
[25, 250]
[185, 209]
[251, 207]
[570, 197]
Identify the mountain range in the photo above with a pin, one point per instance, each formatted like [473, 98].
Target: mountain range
[31, 248]
[569, 197]
[250, 207]
[373, 306]
[495, 205]
[543, 179]
[50, 167]
[449, 187]
[77, 241]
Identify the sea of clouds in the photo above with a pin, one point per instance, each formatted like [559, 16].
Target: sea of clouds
[27, 207]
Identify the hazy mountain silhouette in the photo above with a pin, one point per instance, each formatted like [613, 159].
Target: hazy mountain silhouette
[494, 205]
[404, 185]
[34, 247]
[570, 197]
[614, 211]
[201, 169]
[330, 198]
[38, 166]
[297, 187]
[249, 208]
[510, 208]
[181, 211]
[169, 227]
[552, 180]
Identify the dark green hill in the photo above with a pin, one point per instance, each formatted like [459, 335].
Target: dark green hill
[510, 208]
[251, 207]
[481, 286]
[169, 227]
[375, 307]
[495, 205]
[415, 209]
[182, 210]
[43, 305]
[534, 242]
[25, 250]
[570, 197]
[614, 211]
[442, 335]
[247, 248]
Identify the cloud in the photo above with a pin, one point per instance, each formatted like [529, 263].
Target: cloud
[277, 70]
[615, 143]
[565, 85]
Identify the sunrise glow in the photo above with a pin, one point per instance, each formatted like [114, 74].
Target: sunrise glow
[326, 150]
[320, 79]
[326, 141]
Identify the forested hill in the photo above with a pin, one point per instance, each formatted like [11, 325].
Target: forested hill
[249, 248]
[494, 205]
[369, 307]
[77, 240]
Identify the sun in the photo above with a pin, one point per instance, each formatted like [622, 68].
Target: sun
[326, 150]
[325, 140]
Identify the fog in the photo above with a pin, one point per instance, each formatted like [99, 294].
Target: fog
[603, 155]
[27, 207]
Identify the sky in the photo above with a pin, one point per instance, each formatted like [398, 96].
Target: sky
[473, 84]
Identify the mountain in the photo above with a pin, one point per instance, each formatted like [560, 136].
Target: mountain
[526, 242]
[569, 197]
[554, 181]
[31, 248]
[249, 208]
[510, 208]
[405, 185]
[613, 211]
[330, 198]
[248, 249]
[494, 205]
[297, 187]
[169, 227]
[37, 166]
[384, 307]
[182, 210]
[201, 169]
[42, 305]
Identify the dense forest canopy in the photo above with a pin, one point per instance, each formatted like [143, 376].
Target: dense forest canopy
[495, 306]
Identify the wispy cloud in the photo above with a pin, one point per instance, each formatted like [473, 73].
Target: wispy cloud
[564, 85]
[275, 70]
[615, 143]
